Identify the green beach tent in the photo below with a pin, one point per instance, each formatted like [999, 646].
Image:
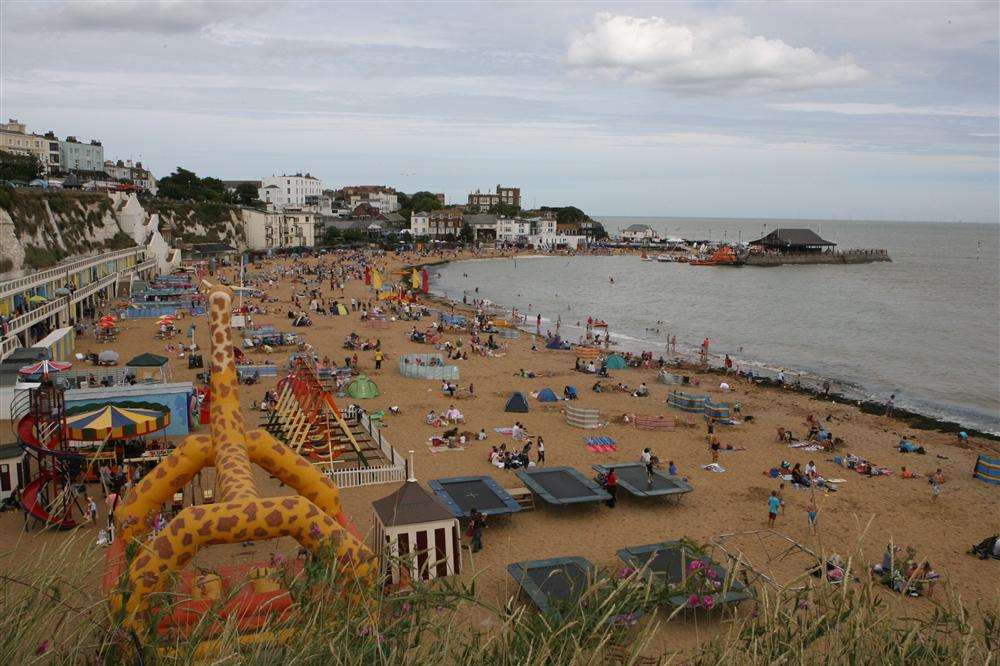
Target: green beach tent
[362, 388]
[615, 362]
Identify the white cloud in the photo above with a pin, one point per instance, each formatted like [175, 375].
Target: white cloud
[715, 56]
[867, 109]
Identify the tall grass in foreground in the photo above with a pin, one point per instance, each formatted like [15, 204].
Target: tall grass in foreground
[52, 613]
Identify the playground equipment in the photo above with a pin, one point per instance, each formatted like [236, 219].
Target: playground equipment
[362, 388]
[558, 581]
[580, 417]
[560, 486]
[426, 366]
[665, 565]
[308, 420]
[462, 494]
[314, 519]
[633, 478]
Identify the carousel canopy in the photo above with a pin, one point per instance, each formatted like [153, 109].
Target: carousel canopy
[44, 367]
[148, 360]
[117, 421]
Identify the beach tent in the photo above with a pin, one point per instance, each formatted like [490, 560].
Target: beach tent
[615, 362]
[547, 395]
[362, 388]
[516, 403]
[339, 309]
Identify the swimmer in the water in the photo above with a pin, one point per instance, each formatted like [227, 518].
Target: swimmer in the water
[611, 279]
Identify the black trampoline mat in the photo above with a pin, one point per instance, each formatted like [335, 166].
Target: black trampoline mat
[562, 485]
[635, 475]
[473, 495]
[559, 581]
[667, 563]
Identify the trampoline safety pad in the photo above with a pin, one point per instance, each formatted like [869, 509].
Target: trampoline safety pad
[665, 564]
[562, 485]
[632, 477]
[461, 494]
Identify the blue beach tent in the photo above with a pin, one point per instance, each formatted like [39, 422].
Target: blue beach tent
[516, 403]
[547, 395]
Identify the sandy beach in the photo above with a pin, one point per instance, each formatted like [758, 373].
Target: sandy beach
[861, 517]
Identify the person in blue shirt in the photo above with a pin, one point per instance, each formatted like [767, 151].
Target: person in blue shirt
[671, 468]
[773, 505]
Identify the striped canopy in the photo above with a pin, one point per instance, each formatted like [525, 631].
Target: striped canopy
[44, 368]
[116, 421]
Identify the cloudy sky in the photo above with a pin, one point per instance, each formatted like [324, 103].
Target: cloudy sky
[773, 109]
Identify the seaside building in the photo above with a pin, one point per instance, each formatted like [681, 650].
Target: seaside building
[483, 225]
[276, 229]
[14, 138]
[381, 197]
[484, 201]
[74, 155]
[288, 190]
[791, 240]
[513, 230]
[136, 173]
[36, 303]
[639, 233]
[436, 223]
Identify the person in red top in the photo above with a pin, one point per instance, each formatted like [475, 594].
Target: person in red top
[611, 485]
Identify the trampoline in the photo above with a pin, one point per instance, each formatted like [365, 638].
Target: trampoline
[632, 477]
[557, 581]
[461, 494]
[562, 485]
[665, 565]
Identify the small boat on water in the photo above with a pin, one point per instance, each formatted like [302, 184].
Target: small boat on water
[666, 258]
[724, 256]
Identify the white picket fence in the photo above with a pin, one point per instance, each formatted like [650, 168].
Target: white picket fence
[392, 472]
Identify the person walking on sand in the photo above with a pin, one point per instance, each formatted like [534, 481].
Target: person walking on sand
[781, 496]
[773, 504]
[937, 480]
[477, 522]
[378, 359]
[541, 451]
[890, 404]
[611, 485]
[812, 512]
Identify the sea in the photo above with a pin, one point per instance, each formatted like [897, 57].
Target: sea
[925, 327]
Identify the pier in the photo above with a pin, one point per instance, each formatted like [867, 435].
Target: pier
[845, 257]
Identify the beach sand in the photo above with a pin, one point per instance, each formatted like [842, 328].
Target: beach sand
[862, 516]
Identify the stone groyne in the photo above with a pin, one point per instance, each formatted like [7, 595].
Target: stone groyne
[847, 257]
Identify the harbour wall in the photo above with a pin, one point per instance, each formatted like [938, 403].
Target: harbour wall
[848, 257]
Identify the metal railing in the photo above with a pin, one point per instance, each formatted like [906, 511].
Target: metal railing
[16, 285]
[392, 472]
[32, 317]
[8, 345]
[93, 287]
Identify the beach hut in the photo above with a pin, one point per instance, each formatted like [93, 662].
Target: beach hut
[362, 388]
[516, 403]
[150, 367]
[416, 537]
[12, 469]
[615, 362]
[547, 395]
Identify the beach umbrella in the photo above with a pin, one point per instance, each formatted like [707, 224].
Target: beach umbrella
[108, 356]
[37, 298]
[116, 421]
[44, 367]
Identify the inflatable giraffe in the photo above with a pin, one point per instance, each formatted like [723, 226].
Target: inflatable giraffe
[314, 518]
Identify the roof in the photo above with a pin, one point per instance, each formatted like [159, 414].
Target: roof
[13, 450]
[480, 219]
[212, 248]
[148, 360]
[792, 237]
[409, 505]
[638, 227]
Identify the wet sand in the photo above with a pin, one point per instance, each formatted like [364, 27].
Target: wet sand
[862, 516]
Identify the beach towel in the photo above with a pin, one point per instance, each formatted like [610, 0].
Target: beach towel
[601, 444]
[713, 467]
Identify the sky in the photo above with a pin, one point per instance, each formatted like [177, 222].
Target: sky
[772, 109]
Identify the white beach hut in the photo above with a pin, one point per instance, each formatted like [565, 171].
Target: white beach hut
[416, 537]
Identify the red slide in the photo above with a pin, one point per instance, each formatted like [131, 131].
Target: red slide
[29, 498]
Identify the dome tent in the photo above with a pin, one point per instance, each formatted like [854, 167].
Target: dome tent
[362, 388]
[547, 395]
[516, 403]
[615, 362]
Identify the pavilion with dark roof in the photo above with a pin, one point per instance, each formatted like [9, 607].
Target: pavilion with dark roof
[416, 537]
[792, 240]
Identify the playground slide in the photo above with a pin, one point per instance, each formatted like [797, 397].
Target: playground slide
[30, 500]
[26, 435]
